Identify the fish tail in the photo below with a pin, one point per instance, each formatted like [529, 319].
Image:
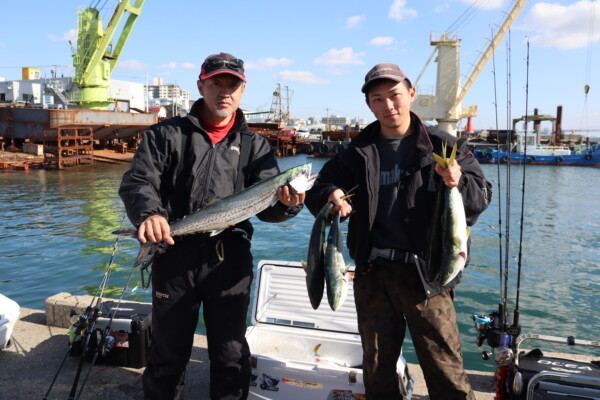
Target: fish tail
[146, 253]
[304, 265]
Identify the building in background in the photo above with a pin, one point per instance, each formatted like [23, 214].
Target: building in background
[60, 92]
[176, 101]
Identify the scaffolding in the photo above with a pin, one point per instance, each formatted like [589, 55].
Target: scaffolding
[65, 147]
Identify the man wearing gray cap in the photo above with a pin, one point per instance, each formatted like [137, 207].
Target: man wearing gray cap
[396, 178]
[182, 165]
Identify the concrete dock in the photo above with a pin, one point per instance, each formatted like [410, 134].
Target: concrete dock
[28, 366]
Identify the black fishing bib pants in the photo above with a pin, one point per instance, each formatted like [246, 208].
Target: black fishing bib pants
[190, 274]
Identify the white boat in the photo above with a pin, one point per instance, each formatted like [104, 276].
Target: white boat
[9, 314]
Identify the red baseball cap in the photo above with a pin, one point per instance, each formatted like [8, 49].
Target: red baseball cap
[222, 63]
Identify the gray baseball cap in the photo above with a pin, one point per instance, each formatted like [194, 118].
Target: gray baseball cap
[384, 71]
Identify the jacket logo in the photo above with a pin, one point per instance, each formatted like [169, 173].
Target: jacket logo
[160, 295]
[235, 148]
[432, 186]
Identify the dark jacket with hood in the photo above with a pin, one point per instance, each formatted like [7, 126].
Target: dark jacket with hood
[359, 167]
[177, 170]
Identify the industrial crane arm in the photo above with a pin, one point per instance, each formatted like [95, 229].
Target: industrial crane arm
[487, 54]
[101, 52]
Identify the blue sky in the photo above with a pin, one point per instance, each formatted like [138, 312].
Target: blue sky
[321, 50]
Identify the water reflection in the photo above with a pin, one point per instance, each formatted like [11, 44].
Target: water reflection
[55, 236]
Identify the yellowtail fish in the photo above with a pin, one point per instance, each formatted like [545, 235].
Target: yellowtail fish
[315, 258]
[336, 270]
[448, 247]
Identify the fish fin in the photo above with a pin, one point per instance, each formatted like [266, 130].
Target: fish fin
[345, 270]
[453, 155]
[215, 232]
[311, 181]
[440, 161]
[145, 254]
[468, 231]
[316, 350]
[304, 266]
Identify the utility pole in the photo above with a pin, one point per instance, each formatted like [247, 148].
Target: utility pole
[147, 95]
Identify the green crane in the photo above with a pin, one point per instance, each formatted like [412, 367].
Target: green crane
[96, 57]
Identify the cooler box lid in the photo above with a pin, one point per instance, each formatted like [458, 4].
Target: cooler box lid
[281, 299]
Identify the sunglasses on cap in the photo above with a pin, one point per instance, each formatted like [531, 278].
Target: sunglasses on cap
[215, 63]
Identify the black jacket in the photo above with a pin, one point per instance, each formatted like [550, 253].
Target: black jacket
[359, 166]
[177, 170]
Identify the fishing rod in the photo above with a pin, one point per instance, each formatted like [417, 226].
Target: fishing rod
[500, 332]
[516, 312]
[489, 327]
[85, 322]
[107, 341]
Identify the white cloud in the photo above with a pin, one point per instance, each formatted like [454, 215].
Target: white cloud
[300, 76]
[132, 65]
[171, 65]
[399, 11]
[441, 8]
[564, 27]
[355, 21]
[268, 63]
[66, 36]
[187, 65]
[345, 56]
[382, 41]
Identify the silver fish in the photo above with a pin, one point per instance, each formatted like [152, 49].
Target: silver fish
[452, 236]
[336, 269]
[233, 209]
[315, 258]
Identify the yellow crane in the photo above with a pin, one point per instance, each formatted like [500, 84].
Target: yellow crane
[96, 57]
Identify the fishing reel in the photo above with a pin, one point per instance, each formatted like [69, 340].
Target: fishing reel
[491, 329]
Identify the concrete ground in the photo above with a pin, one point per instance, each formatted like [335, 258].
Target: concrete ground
[28, 366]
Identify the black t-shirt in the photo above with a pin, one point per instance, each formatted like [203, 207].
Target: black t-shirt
[394, 157]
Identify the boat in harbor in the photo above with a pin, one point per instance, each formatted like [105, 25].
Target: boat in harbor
[581, 155]
[530, 149]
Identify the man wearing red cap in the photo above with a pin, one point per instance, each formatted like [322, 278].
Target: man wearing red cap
[182, 165]
[390, 163]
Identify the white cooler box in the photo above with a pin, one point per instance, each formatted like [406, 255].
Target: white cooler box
[9, 314]
[301, 353]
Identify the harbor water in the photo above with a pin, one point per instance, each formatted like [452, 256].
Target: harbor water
[55, 236]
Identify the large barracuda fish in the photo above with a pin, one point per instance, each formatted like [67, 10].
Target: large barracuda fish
[233, 209]
[448, 246]
[336, 269]
[315, 258]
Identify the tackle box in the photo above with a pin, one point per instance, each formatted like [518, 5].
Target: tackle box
[301, 353]
[131, 329]
[536, 376]
[9, 314]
